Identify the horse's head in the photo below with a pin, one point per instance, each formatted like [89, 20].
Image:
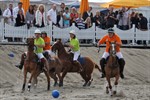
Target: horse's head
[57, 46]
[112, 49]
[30, 41]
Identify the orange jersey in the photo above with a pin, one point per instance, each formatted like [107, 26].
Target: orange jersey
[107, 39]
[47, 43]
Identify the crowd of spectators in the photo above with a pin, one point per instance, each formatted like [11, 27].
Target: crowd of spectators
[37, 16]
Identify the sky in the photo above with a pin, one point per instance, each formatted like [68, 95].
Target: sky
[99, 0]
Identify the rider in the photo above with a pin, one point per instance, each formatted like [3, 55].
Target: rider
[47, 40]
[111, 37]
[75, 47]
[39, 44]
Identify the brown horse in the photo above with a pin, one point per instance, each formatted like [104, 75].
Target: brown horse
[32, 66]
[112, 70]
[87, 64]
[55, 67]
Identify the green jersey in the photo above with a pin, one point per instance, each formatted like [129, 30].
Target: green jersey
[75, 44]
[39, 41]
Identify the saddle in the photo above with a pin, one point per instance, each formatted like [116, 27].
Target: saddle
[114, 64]
[80, 58]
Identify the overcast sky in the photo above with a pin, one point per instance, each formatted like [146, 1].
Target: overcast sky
[99, 0]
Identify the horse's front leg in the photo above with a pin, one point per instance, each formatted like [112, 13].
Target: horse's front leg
[53, 75]
[29, 82]
[83, 75]
[62, 78]
[24, 82]
[109, 85]
[115, 84]
[59, 76]
[36, 74]
[48, 79]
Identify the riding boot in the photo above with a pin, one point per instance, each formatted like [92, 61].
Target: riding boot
[20, 66]
[76, 63]
[102, 63]
[122, 64]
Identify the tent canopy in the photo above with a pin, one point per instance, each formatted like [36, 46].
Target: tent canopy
[127, 3]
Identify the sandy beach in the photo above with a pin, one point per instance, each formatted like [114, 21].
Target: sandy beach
[135, 86]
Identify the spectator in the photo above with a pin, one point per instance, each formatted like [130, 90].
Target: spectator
[60, 15]
[34, 9]
[102, 21]
[16, 9]
[8, 15]
[80, 22]
[88, 14]
[52, 15]
[123, 18]
[73, 15]
[88, 22]
[63, 6]
[30, 16]
[143, 22]
[40, 16]
[134, 19]
[110, 18]
[97, 18]
[20, 20]
[66, 17]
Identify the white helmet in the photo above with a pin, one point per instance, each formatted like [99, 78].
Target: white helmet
[72, 32]
[37, 31]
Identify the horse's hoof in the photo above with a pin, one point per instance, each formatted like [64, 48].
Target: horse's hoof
[89, 83]
[114, 92]
[84, 84]
[60, 84]
[107, 91]
[55, 84]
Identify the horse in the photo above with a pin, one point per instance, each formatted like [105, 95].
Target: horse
[87, 64]
[55, 67]
[112, 69]
[32, 66]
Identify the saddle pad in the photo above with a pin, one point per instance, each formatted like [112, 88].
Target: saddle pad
[81, 60]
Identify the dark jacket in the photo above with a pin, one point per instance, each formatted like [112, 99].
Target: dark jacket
[19, 21]
[143, 23]
[85, 15]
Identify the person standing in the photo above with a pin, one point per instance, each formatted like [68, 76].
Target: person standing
[52, 15]
[8, 15]
[40, 17]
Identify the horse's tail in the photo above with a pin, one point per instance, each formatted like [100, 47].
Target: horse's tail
[96, 66]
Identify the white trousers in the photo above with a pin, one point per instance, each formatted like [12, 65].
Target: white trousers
[49, 51]
[118, 54]
[76, 55]
[40, 55]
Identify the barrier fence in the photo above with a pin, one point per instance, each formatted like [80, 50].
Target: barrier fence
[94, 33]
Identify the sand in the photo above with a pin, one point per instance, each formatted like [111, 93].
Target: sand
[135, 86]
